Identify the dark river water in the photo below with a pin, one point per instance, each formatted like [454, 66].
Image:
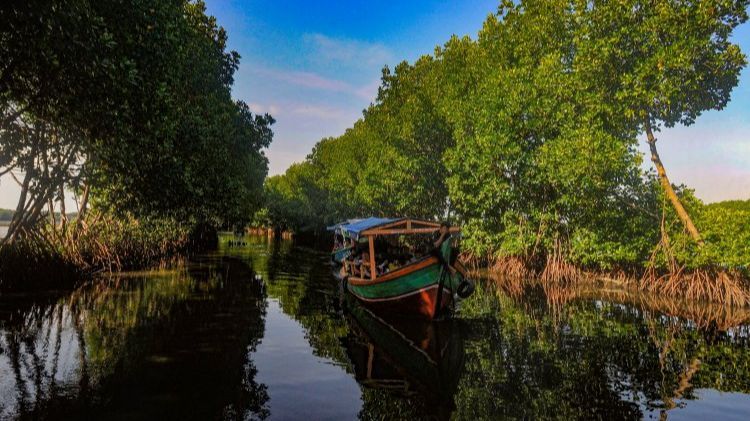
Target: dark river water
[261, 331]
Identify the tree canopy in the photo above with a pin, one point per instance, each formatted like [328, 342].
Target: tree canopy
[129, 101]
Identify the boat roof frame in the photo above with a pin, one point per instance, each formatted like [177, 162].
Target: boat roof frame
[405, 226]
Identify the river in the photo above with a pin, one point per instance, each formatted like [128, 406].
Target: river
[261, 331]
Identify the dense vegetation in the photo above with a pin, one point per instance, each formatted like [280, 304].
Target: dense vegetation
[125, 105]
[527, 137]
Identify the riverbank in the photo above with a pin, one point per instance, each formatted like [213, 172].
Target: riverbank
[700, 280]
[57, 258]
[722, 287]
[703, 312]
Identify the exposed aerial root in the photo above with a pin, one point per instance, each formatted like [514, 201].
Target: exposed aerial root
[702, 285]
[510, 274]
[512, 267]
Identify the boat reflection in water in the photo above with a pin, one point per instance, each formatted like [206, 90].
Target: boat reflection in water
[406, 357]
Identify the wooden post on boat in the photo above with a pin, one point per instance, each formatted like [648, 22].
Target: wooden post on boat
[373, 271]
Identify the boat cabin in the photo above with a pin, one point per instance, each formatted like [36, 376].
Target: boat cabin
[383, 245]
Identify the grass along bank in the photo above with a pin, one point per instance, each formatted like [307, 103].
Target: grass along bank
[51, 257]
[717, 271]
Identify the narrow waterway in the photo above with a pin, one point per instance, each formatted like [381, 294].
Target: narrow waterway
[261, 330]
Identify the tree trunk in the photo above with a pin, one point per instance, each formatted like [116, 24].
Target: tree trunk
[81, 211]
[19, 213]
[667, 186]
[63, 217]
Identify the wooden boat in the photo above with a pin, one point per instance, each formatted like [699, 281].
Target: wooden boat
[424, 287]
[342, 248]
[406, 357]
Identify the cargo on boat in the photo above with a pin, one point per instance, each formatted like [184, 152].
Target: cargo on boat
[342, 244]
[403, 266]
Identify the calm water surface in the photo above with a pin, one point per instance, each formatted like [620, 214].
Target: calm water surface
[261, 332]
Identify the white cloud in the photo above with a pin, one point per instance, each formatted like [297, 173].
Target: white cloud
[315, 81]
[348, 52]
[256, 108]
[320, 111]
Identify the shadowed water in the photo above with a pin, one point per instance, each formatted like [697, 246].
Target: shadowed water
[261, 331]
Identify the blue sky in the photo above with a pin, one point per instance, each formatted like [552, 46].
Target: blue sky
[316, 65]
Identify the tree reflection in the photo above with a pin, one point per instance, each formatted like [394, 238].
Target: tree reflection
[590, 357]
[179, 345]
[168, 345]
[530, 352]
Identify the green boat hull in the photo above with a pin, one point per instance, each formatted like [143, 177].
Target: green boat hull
[415, 289]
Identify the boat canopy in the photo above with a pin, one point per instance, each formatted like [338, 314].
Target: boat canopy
[354, 229]
[337, 227]
[372, 226]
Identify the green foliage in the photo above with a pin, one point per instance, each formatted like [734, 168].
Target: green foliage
[662, 61]
[536, 162]
[527, 135]
[206, 158]
[725, 227]
[6, 214]
[290, 199]
[128, 102]
[141, 90]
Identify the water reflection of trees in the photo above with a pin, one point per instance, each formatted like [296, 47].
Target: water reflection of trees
[535, 352]
[301, 281]
[419, 362]
[167, 344]
[594, 355]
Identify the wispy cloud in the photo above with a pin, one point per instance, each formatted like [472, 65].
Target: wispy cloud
[312, 80]
[309, 80]
[256, 108]
[348, 52]
[317, 111]
[320, 111]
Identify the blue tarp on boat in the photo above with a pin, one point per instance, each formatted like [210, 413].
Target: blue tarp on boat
[353, 229]
[338, 226]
